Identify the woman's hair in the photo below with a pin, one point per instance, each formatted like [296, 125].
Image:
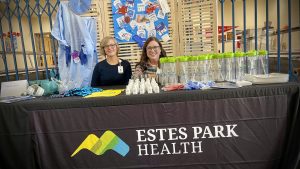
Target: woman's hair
[144, 58]
[104, 42]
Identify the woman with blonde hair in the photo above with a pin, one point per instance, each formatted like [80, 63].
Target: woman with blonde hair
[112, 70]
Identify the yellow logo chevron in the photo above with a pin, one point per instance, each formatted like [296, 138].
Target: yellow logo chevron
[108, 141]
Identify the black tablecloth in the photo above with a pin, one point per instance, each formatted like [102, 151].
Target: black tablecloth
[27, 128]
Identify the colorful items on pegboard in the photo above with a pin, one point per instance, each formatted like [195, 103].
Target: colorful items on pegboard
[136, 20]
[8, 37]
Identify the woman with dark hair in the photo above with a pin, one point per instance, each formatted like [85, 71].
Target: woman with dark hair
[112, 70]
[149, 63]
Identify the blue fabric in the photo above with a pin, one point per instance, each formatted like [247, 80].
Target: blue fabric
[85, 91]
[75, 34]
[68, 55]
[198, 85]
[82, 56]
[79, 6]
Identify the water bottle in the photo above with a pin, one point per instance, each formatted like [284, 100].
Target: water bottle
[240, 66]
[183, 69]
[172, 75]
[217, 60]
[210, 68]
[163, 73]
[262, 63]
[252, 62]
[229, 66]
[201, 75]
[220, 66]
[193, 64]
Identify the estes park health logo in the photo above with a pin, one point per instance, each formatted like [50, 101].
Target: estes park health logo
[108, 141]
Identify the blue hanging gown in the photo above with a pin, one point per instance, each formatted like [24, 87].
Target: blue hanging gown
[76, 36]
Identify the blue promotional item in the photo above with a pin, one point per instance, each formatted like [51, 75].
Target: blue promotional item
[85, 91]
[198, 85]
[79, 6]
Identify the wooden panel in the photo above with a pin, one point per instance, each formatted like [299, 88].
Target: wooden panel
[198, 26]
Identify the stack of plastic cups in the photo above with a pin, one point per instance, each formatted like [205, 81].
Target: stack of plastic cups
[183, 70]
[210, 70]
[172, 75]
[252, 62]
[240, 66]
[202, 68]
[262, 63]
[229, 66]
[163, 73]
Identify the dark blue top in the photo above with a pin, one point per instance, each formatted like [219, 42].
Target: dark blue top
[106, 75]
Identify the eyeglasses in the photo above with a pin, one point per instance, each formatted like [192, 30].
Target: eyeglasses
[153, 48]
[110, 46]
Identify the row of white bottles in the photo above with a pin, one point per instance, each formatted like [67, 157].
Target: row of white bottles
[141, 86]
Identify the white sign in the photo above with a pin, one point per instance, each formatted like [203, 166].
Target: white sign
[13, 88]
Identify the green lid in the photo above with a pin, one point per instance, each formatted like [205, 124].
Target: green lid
[239, 54]
[162, 60]
[166, 59]
[220, 55]
[178, 58]
[262, 52]
[251, 53]
[215, 56]
[209, 56]
[228, 55]
[202, 57]
[172, 59]
[193, 58]
[183, 59]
